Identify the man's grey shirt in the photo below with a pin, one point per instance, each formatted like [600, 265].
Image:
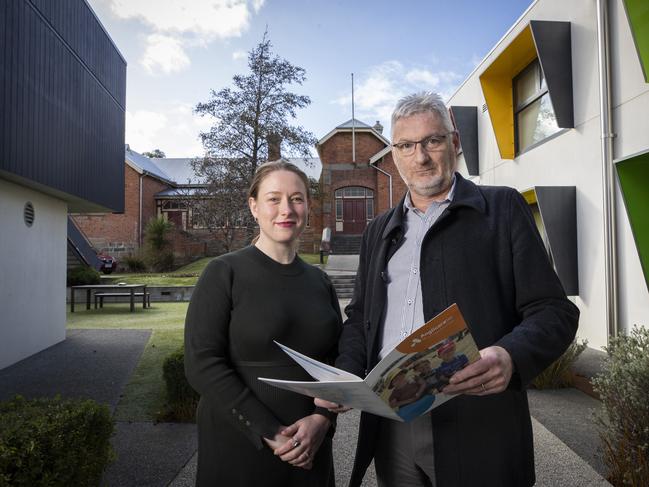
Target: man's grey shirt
[404, 307]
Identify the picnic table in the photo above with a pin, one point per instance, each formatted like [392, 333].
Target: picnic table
[125, 290]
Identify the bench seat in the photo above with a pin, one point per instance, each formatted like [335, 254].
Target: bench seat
[99, 297]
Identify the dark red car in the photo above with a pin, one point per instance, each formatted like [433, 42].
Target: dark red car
[108, 263]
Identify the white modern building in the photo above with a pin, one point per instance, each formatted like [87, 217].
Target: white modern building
[559, 109]
[62, 99]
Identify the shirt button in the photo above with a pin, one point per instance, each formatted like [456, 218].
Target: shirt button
[414, 271]
[410, 301]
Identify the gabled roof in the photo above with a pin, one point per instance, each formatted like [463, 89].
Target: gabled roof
[180, 169]
[353, 122]
[358, 126]
[144, 165]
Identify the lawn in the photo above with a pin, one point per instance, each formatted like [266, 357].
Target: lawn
[143, 396]
[186, 275]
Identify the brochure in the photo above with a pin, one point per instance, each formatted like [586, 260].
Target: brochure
[406, 383]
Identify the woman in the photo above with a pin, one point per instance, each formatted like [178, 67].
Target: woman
[250, 433]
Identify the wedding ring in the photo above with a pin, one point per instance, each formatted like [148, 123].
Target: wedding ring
[484, 389]
[295, 443]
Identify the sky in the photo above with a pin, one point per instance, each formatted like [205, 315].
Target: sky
[177, 51]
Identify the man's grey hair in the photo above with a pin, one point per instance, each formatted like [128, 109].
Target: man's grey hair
[423, 102]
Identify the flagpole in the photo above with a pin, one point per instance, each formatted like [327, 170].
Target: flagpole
[353, 125]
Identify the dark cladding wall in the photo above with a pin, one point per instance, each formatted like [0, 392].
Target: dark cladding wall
[62, 99]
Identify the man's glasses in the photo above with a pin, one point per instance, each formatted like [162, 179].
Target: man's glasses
[431, 143]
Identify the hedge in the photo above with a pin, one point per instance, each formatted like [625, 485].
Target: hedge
[181, 398]
[54, 442]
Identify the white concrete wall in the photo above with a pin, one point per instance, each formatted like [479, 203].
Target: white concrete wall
[32, 273]
[573, 157]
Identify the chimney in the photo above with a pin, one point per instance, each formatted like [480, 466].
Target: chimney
[378, 127]
[274, 146]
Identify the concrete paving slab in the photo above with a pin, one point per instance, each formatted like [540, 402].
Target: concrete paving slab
[568, 414]
[557, 465]
[348, 263]
[89, 364]
[150, 454]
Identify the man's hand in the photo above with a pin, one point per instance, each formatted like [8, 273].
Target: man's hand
[334, 407]
[488, 375]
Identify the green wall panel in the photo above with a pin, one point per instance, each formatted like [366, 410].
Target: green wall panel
[638, 14]
[633, 174]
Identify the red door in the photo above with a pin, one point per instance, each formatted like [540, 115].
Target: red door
[354, 219]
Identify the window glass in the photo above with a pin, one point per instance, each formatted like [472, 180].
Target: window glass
[370, 208]
[536, 122]
[526, 84]
[369, 193]
[339, 193]
[339, 210]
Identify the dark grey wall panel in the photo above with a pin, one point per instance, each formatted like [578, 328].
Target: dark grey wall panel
[466, 121]
[553, 44]
[558, 208]
[61, 124]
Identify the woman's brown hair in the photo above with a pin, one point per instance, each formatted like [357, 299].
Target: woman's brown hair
[272, 166]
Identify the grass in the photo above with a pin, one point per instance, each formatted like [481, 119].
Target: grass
[144, 396]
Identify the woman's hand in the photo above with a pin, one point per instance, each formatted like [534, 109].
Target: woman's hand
[305, 437]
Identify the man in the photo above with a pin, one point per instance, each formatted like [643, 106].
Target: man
[450, 241]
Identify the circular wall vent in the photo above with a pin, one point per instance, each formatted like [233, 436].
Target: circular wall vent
[28, 214]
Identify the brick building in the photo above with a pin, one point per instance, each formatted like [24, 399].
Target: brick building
[357, 179]
[121, 234]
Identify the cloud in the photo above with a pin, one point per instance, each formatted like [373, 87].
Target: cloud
[179, 24]
[174, 129]
[164, 53]
[378, 89]
[238, 55]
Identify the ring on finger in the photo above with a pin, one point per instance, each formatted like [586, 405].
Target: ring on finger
[484, 389]
[295, 443]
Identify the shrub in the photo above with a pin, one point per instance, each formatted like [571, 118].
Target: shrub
[82, 275]
[159, 255]
[135, 263]
[160, 261]
[623, 420]
[53, 442]
[181, 398]
[558, 375]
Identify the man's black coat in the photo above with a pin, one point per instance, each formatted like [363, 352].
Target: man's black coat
[485, 254]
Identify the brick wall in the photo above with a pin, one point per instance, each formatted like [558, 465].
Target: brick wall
[398, 186]
[338, 149]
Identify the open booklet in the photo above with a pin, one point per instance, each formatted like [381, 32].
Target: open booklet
[406, 383]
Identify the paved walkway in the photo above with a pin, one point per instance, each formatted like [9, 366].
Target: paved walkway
[341, 263]
[98, 363]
